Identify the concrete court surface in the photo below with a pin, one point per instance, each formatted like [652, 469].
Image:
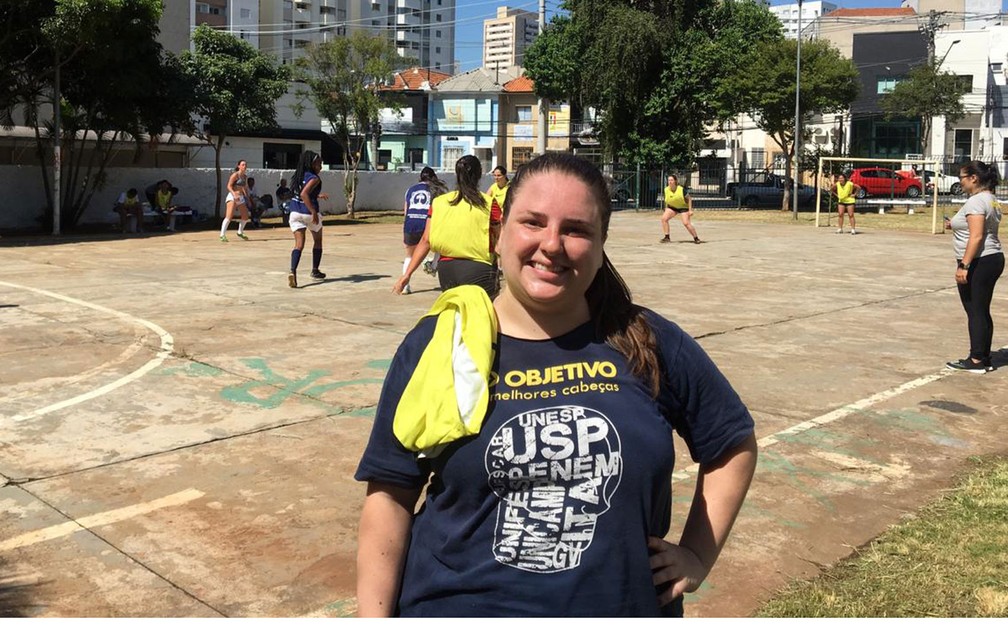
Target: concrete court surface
[179, 429]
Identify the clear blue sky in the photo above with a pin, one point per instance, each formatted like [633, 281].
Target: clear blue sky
[470, 14]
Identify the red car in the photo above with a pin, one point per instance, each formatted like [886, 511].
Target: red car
[885, 183]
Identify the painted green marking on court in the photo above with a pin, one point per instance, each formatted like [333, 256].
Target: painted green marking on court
[908, 419]
[282, 388]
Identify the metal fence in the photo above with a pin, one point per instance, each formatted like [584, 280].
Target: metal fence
[715, 183]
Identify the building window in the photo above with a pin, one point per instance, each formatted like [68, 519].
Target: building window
[964, 82]
[1004, 150]
[524, 113]
[437, 49]
[437, 17]
[451, 155]
[995, 67]
[437, 33]
[886, 84]
[963, 147]
[245, 13]
[520, 156]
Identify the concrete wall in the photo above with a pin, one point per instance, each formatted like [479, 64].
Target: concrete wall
[22, 199]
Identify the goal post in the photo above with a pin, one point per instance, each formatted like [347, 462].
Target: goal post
[830, 165]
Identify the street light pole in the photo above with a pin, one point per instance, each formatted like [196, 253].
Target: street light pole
[797, 120]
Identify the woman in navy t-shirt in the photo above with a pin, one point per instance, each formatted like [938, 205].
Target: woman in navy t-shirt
[560, 502]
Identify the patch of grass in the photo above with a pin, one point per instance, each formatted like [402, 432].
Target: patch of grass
[950, 560]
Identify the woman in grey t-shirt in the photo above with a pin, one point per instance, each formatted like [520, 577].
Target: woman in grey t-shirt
[979, 260]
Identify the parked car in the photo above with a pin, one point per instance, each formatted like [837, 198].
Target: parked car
[885, 182]
[768, 180]
[946, 183]
[769, 193]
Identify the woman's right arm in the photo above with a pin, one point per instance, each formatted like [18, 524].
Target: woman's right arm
[382, 542]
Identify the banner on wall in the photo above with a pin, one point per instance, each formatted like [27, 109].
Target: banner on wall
[559, 120]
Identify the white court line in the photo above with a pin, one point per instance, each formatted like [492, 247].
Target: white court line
[98, 519]
[829, 417]
[167, 345]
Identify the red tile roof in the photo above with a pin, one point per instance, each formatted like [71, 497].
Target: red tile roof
[521, 84]
[413, 78]
[870, 13]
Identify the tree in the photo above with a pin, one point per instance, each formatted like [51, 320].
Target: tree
[99, 66]
[926, 92]
[236, 89]
[343, 78]
[829, 83]
[653, 70]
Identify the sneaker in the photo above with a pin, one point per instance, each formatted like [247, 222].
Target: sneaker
[697, 240]
[292, 280]
[223, 239]
[317, 274]
[428, 268]
[968, 365]
[665, 239]
[853, 231]
[406, 290]
[839, 230]
[241, 235]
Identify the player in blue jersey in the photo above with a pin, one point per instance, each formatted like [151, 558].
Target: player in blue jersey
[306, 186]
[416, 209]
[555, 497]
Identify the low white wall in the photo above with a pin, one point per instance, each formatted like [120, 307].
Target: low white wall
[22, 197]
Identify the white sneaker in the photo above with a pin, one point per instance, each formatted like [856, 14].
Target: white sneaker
[839, 230]
[406, 290]
[853, 231]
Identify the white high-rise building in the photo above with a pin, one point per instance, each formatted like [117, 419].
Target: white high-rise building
[506, 37]
[788, 15]
[423, 30]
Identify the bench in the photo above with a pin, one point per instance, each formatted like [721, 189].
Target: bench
[151, 216]
[908, 204]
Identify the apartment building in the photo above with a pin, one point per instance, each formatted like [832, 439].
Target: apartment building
[788, 15]
[423, 30]
[506, 37]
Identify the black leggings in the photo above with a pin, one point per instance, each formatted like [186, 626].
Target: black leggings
[455, 272]
[976, 297]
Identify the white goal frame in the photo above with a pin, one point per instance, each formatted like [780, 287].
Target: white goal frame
[936, 226]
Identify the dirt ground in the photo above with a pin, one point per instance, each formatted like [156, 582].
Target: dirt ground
[179, 429]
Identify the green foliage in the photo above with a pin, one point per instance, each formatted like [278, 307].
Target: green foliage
[653, 70]
[765, 91]
[925, 93]
[343, 79]
[115, 83]
[235, 88]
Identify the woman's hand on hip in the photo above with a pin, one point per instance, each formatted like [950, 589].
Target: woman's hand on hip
[676, 566]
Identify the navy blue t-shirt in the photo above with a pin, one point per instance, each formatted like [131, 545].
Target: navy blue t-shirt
[418, 201]
[546, 512]
[296, 203]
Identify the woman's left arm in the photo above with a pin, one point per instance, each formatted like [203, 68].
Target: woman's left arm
[974, 245]
[720, 489]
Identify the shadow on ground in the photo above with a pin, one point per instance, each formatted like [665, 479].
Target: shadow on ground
[15, 594]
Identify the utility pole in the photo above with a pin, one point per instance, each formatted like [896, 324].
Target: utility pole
[796, 144]
[543, 103]
[928, 30]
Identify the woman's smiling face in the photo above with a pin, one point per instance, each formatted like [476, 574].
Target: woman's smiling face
[551, 243]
